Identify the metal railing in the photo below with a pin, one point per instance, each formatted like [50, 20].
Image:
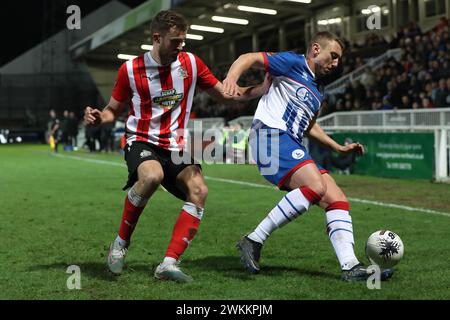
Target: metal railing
[421, 119]
[374, 64]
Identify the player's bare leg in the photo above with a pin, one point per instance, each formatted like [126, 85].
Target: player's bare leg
[150, 175]
[191, 181]
[306, 187]
[339, 228]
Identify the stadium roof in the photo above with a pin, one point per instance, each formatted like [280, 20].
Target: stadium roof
[127, 33]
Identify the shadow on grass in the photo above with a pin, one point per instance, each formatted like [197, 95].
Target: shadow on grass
[93, 269]
[229, 266]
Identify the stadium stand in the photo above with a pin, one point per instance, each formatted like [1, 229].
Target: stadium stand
[402, 64]
[419, 79]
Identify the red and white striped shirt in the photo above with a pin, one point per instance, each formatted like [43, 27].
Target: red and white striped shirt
[160, 97]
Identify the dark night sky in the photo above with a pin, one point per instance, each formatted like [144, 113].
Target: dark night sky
[23, 26]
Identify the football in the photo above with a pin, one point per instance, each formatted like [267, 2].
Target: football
[384, 248]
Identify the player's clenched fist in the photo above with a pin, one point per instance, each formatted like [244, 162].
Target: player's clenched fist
[92, 116]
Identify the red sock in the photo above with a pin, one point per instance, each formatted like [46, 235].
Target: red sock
[183, 232]
[129, 219]
[310, 195]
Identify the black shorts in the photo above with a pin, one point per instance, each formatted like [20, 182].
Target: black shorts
[140, 151]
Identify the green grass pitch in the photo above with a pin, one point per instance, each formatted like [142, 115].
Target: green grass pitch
[62, 211]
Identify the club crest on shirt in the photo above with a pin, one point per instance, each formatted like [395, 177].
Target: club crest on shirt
[182, 73]
[298, 154]
[168, 99]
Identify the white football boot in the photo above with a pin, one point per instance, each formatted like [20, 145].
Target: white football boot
[166, 271]
[116, 258]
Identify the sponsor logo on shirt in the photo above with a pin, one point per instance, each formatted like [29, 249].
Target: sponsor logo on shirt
[168, 99]
[302, 94]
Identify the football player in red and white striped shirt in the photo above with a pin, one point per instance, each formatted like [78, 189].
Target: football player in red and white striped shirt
[159, 86]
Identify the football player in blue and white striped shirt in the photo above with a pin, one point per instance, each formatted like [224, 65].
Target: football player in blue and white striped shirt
[284, 116]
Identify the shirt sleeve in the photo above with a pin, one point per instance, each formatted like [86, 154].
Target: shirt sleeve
[278, 63]
[121, 91]
[205, 79]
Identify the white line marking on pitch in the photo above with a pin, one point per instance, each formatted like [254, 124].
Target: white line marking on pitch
[398, 206]
[257, 185]
[98, 161]
[377, 203]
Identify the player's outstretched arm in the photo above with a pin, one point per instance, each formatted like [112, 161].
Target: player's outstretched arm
[96, 117]
[249, 93]
[316, 133]
[243, 93]
[242, 64]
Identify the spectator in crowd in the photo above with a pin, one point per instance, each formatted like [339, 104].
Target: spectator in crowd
[348, 106]
[442, 25]
[440, 96]
[422, 74]
[447, 100]
[73, 129]
[377, 95]
[340, 105]
[386, 104]
[368, 78]
[396, 93]
[107, 137]
[426, 103]
[357, 105]
[415, 105]
[406, 103]
[65, 127]
[419, 80]
[54, 130]
[414, 85]
[359, 91]
[92, 134]
[358, 62]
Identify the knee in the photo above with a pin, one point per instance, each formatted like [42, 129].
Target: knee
[151, 179]
[330, 202]
[200, 191]
[319, 187]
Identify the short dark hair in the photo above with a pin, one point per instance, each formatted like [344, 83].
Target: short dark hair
[325, 36]
[167, 19]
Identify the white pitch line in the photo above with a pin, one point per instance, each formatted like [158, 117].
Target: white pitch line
[377, 203]
[98, 161]
[399, 206]
[242, 183]
[257, 185]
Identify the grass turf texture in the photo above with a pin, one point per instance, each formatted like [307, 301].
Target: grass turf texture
[60, 211]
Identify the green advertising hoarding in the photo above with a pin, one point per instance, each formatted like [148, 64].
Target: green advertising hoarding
[400, 155]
